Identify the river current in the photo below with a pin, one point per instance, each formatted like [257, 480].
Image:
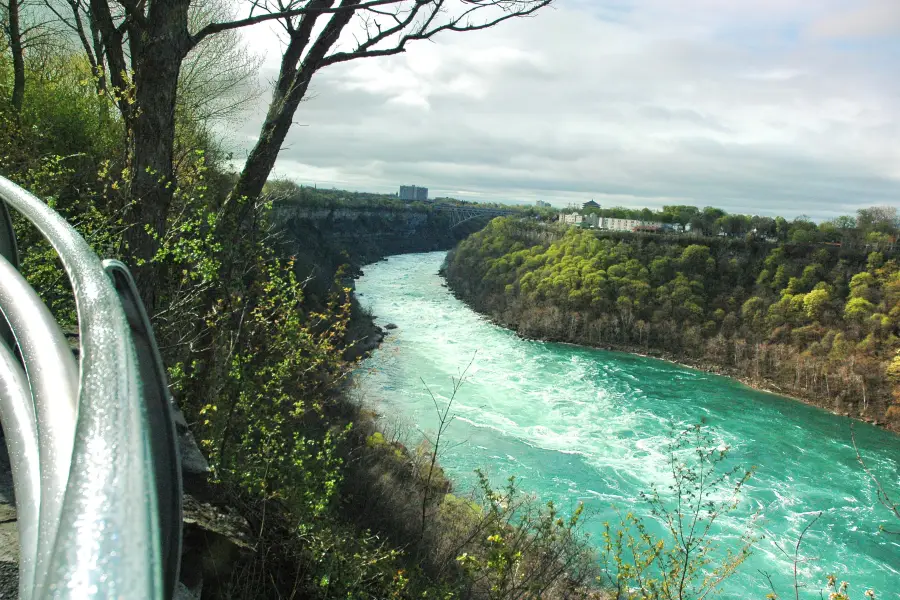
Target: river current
[581, 425]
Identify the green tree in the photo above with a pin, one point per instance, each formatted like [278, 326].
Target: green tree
[815, 303]
[858, 309]
[697, 259]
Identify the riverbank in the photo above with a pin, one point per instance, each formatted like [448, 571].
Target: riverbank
[818, 325]
[767, 387]
[705, 365]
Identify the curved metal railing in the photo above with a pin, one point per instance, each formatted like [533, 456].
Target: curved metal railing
[91, 441]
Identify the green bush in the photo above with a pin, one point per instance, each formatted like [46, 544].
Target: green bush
[684, 562]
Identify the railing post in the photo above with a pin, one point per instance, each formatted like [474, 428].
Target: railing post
[102, 470]
[9, 251]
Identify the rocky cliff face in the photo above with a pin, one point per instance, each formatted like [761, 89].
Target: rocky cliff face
[323, 240]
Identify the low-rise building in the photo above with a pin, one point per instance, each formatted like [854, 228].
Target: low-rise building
[595, 221]
[614, 224]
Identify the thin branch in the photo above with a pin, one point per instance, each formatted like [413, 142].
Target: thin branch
[423, 32]
[296, 12]
[883, 498]
[797, 554]
[443, 422]
[769, 579]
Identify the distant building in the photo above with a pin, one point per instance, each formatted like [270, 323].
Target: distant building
[542, 204]
[627, 224]
[590, 204]
[592, 220]
[595, 221]
[413, 193]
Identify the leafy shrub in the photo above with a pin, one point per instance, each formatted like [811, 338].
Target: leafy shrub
[684, 562]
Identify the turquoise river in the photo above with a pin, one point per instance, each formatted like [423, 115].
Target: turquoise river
[582, 425]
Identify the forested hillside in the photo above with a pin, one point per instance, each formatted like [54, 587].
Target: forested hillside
[814, 320]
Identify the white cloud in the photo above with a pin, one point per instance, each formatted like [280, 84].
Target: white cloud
[874, 18]
[642, 103]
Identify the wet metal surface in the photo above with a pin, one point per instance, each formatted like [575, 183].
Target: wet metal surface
[107, 541]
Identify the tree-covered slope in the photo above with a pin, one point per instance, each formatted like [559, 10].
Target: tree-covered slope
[814, 320]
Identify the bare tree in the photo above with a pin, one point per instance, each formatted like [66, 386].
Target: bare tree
[881, 494]
[23, 29]
[141, 48]
[795, 559]
[73, 16]
[14, 33]
[218, 79]
[382, 30]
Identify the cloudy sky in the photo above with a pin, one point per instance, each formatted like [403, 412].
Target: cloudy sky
[766, 106]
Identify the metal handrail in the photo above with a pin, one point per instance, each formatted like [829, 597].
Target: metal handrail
[93, 481]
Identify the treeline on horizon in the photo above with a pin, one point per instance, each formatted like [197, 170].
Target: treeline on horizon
[875, 225]
[287, 191]
[813, 320]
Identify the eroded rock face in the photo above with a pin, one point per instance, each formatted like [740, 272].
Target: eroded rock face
[182, 592]
[218, 520]
[193, 463]
[214, 538]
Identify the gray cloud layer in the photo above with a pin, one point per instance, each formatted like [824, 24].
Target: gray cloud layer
[775, 108]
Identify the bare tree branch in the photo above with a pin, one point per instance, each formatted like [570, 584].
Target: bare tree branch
[285, 14]
[77, 25]
[883, 498]
[426, 30]
[444, 419]
[112, 39]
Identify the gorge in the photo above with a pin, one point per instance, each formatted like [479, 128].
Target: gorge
[582, 425]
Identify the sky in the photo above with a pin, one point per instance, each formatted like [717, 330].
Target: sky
[787, 107]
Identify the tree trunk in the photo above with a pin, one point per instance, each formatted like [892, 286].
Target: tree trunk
[92, 49]
[157, 51]
[262, 158]
[15, 46]
[289, 92]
